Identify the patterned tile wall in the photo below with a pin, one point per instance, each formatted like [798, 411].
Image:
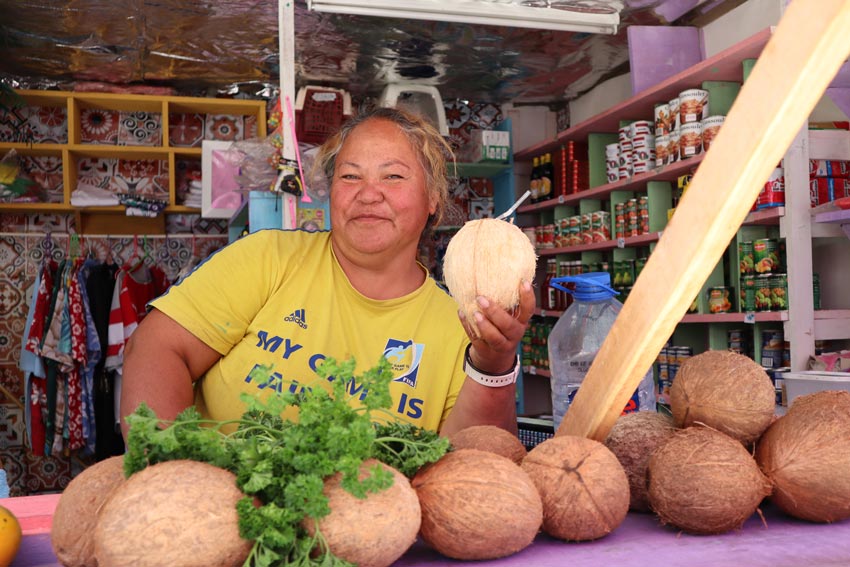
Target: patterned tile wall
[22, 248]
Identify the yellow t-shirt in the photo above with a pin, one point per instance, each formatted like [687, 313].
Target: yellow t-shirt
[280, 298]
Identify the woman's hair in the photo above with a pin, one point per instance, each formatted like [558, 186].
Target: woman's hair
[432, 148]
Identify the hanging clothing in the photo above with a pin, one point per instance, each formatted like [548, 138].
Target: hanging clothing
[100, 285]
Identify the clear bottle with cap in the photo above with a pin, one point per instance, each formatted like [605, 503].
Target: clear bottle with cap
[577, 336]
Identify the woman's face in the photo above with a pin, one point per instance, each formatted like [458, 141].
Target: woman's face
[379, 198]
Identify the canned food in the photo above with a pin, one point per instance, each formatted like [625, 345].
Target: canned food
[575, 230]
[765, 256]
[746, 258]
[683, 353]
[763, 300]
[719, 299]
[586, 228]
[710, 128]
[693, 106]
[548, 236]
[663, 120]
[640, 263]
[661, 146]
[772, 338]
[736, 335]
[674, 115]
[690, 140]
[664, 383]
[673, 146]
[564, 232]
[773, 192]
[779, 292]
[748, 294]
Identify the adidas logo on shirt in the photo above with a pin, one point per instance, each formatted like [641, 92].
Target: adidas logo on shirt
[298, 316]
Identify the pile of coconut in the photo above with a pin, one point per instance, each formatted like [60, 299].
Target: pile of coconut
[705, 470]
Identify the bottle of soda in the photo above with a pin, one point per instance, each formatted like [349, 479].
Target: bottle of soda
[577, 336]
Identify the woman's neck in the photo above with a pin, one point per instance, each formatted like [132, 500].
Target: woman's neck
[381, 279]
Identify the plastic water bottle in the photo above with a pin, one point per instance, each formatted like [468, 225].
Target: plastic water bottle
[577, 337]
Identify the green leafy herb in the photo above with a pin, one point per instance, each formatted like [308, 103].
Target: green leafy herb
[284, 463]
[406, 447]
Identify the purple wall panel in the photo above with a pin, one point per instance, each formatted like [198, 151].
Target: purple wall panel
[659, 52]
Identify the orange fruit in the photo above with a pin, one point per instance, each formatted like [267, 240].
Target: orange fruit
[10, 537]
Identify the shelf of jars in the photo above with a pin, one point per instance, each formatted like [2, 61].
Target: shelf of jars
[670, 172]
[724, 66]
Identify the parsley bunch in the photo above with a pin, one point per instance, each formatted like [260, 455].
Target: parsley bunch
[284, 463]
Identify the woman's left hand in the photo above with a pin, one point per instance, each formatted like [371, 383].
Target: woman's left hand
[494, 349]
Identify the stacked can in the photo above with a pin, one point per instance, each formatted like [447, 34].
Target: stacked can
[693, 108]
[710, 128]
[548, 240]
[669, 360]
[772, 194]
[586, 228]
[739, 341]
[746, 263]
[564, 232]
[643, 214]
[575, 230]
[619, 220]
[600, 226]
[643, 146]
[632, 218]
[612, 162]
[624, 139]
[764, 284]
[773, 347]
[663, 374]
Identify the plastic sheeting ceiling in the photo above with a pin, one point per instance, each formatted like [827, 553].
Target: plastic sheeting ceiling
[214, 44]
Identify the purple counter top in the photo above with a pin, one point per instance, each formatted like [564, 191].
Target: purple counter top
[639, 542]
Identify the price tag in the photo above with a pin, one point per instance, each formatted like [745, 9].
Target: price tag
[750, 318]
[621, 242]
[561, 199]
[660, 232]
[542, 312]
[532, 370]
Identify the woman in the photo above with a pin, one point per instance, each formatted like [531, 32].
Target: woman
[289, 299]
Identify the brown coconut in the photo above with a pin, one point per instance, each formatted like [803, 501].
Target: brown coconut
[488, 257]
[633, 439]
[176, 513]
[806, 454]
[372, 531]
[726, 391]
[490, 438]
[584, 489]
[477, 505]
[72, 533]
[704, 482]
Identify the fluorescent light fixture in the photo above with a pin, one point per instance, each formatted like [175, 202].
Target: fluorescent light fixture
[477, 12]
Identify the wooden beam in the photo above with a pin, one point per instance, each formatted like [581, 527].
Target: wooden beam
[808, 47]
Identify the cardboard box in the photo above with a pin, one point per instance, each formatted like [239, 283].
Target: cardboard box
[810, 381]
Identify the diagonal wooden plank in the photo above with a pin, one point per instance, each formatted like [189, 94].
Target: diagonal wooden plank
[808, 47]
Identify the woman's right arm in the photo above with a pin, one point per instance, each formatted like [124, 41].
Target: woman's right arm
[162, 360]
